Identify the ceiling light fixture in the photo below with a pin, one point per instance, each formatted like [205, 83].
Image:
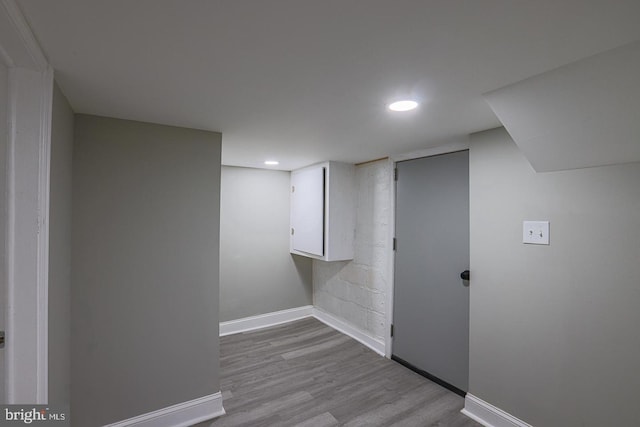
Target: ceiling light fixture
[404, 105]
[271, 162]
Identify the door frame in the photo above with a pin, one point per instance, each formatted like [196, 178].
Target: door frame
[448, 147]
[29, 110]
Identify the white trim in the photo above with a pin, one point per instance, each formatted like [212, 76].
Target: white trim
[350, 330]
[489, 415]
[449, 147]
[5, 57]
[44, 186]
[181, 415]
[27, 200]
[264, 320]
[27, 46]
[10, 261]
[388, 347]
[27, 250]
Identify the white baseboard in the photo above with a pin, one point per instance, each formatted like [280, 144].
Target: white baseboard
[265, 320]
[488, 415]
[350, 330]
[181, 415]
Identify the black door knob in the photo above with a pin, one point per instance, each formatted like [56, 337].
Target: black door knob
[464, 275]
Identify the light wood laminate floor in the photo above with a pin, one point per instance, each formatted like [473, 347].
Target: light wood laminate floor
[306, 374]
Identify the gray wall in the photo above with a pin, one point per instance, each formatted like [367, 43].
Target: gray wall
[4, 133]
[60, 249]
[554, 329]
[257, 273]
[145, 271]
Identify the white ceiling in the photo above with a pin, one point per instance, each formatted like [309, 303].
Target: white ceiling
[303, 81]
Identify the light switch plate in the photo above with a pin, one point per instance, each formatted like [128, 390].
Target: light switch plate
[535, 232]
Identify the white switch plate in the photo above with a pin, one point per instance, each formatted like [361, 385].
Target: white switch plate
[535, 232]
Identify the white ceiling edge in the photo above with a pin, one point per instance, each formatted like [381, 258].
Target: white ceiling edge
[458, 144]
[18, 47]
[448, 147]
[583, 114]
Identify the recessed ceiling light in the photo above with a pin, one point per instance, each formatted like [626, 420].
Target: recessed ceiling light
[404, 105]
[271, 162]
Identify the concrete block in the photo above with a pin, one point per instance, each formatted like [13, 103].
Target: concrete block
[356, 274]
[378, 301]
[321, 299]
[376, 324]
[355, 291]
[380, 257]
[355, 294]
[364, 254]
[377, 281]
[357, 316]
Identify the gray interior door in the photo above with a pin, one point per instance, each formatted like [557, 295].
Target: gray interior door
[431, 301]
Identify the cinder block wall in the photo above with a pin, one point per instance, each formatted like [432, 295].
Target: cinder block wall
[355, 291]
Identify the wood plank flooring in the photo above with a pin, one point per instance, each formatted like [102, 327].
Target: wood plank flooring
[306, 374]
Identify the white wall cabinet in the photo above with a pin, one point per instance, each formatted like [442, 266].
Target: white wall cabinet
[323, 211]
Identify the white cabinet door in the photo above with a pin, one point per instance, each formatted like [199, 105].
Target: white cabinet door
[307, 210]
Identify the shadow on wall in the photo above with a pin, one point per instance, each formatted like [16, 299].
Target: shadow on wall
[303, 268]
